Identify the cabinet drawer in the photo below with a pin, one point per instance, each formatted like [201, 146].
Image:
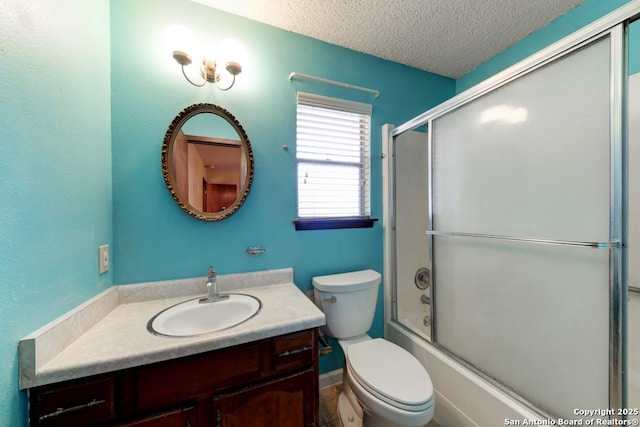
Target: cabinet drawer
[181, 379]
[83, 403]
[293, 351]
[181, 417]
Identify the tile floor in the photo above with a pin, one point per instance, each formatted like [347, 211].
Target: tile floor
[328, 407]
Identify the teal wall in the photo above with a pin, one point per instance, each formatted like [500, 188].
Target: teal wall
[154, 238]
[634, 47]
[572, 21]
[55, 179]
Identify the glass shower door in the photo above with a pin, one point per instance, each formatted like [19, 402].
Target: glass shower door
[633, 251]
[523, 231]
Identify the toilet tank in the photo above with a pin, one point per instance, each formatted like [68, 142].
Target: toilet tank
[348, 301]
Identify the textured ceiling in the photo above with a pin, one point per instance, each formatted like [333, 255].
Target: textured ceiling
[447, 37]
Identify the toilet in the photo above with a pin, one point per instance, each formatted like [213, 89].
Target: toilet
[383, 384]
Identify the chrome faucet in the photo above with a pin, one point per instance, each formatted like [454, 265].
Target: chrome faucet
[212, 288]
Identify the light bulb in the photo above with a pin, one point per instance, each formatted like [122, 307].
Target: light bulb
[232, 56]
[180, 43]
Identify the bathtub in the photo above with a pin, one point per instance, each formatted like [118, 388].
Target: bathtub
[463, 399]
[633, 348]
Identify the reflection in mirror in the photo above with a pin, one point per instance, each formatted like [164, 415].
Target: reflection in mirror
[207, 162]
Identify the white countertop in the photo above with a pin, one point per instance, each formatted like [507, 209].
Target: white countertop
[110, 333]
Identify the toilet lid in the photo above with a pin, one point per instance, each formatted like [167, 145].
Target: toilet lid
[391, 373]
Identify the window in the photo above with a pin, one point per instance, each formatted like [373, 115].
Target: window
[332, 152]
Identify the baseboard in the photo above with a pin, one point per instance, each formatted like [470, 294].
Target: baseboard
[331, 378]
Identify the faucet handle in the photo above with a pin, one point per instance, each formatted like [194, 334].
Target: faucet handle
[212, 273]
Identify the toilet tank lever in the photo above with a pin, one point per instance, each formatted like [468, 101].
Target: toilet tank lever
[332, 300]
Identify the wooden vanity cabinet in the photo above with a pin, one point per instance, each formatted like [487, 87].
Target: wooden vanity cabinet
[281, 403]
[271, 382]
[180, 417]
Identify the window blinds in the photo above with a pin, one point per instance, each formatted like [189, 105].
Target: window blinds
[332, 152]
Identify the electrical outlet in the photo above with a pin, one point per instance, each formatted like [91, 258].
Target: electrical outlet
[103, 259]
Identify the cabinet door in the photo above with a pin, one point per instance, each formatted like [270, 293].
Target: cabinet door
[286, 402]
[181, 417]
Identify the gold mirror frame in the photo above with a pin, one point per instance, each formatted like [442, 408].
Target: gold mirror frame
[167, 161]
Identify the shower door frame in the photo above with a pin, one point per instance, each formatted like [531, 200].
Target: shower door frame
[613, 25]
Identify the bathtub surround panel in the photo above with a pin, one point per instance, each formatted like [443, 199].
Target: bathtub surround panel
[411, 253]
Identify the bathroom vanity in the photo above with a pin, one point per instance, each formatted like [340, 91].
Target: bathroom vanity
[270, 382]
[263, 372]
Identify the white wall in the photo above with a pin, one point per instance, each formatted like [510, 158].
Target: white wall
[411, 223]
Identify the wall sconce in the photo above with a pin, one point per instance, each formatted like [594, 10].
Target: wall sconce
[217, 68]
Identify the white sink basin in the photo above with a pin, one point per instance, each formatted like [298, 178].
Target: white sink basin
[194, 318]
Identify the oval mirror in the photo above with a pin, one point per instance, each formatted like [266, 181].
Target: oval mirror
[207, 162]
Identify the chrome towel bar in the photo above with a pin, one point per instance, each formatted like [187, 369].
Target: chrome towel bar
[255, 250]
[594, 245]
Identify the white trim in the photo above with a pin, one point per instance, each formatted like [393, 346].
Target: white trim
[331, 378]
[388, 225]
[334, 103]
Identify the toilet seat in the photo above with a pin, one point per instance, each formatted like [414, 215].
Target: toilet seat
[390, 373]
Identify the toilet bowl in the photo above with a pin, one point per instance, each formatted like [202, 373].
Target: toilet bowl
[388, 383]
[383, 384]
